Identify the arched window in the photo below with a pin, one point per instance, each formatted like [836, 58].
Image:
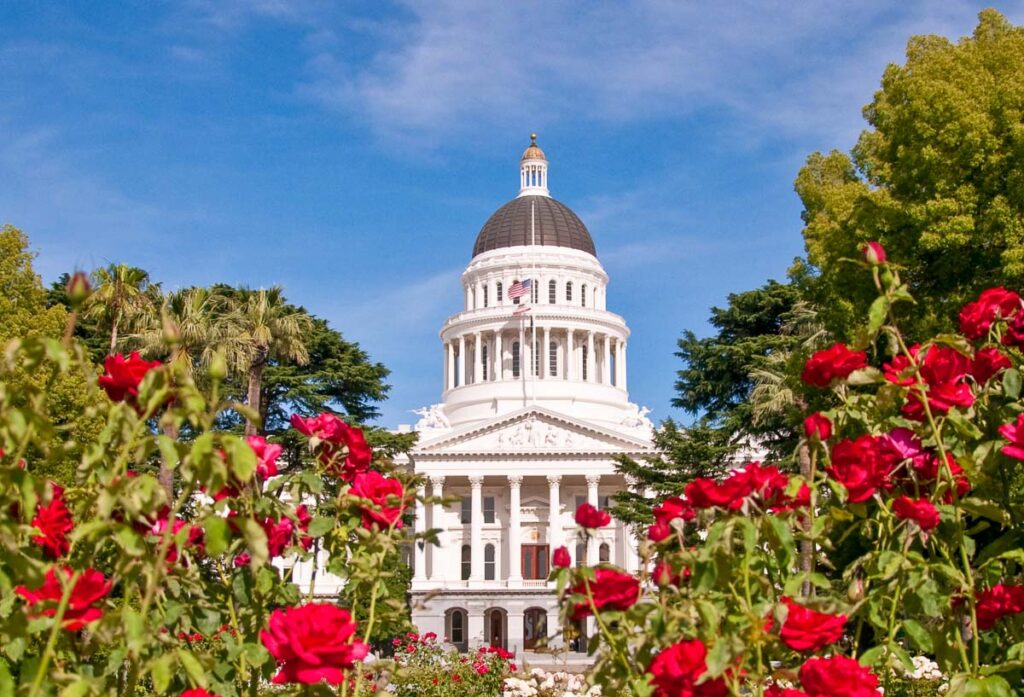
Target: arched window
[604, 552]
[489, 564]
[467, 563]
[568, 292]
[515, 359]
[515, 300]
[456, 627]
[497, 293]
[552, 292]
[483, 363]
[553, 359]
[583, 295]
[485, 295]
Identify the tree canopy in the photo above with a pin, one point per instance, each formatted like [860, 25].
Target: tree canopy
[938, 179]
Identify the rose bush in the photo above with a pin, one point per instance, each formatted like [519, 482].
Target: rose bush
[113, 586]
[918, 468]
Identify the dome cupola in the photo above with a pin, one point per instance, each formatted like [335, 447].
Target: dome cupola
[533, 170]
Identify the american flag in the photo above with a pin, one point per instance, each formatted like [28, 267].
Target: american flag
[521, 310]
[519, 289]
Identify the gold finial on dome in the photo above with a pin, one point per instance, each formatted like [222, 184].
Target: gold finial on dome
[534, 152]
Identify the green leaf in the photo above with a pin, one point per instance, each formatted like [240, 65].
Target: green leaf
[1011, 383]
[79, 688]
[966, 686]
[986, 509]
[918, 635]
[241, 458]
[162, 671]
[876, 314]
[6, 681]
[872, 656]
[193, 667]
[719, 658]
[865, 376]
[320, 526]
[216, 534]
[256, 541]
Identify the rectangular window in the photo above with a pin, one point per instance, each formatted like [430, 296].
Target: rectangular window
[604, 502]
[467, 510]
[535, 561]
[535, 287]
[552, 292]
[580, 500]
[498, 293]
[490, 567]
[488, 509]
[536, 358]
[485, 296]
[553, 359]
[467, 562]
[515, 359]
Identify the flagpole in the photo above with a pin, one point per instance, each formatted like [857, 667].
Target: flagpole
[534, 291]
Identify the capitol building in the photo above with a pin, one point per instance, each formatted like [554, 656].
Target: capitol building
[533, 412]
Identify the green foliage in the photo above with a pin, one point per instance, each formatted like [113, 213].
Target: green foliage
[683, 454]
[938, 179]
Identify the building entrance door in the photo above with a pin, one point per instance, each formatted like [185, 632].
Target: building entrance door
[535, 628]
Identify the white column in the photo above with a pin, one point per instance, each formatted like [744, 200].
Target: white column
[476, 533]
[476, 359]
[436, 521]
[618, 362]
[606, 369]
[469, 297]
[623, 365]
[570, 357]
[555, 538]
[499, 357]
[515, 571]
[545, 355]
[451, 365]
[462, 360]
[590, 358]
[419, 546]
[592, 482]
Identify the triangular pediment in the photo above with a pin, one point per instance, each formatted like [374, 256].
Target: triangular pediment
[534, 430]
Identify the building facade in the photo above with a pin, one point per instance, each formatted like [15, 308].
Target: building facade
[534, 409]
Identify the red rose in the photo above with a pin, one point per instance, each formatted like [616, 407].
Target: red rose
[992, 304]
[587, 516]
[921, 512]
[671, 508]
[664, 575]
[330, 433]
[89, 589]
[611, 590]
[266, 454]
[198, 692]
[928, 471]
[54, 523]
[833, 363]
[1013, 432]
[817, 427]
[860, 467]
[809, 630]
[304, 518]
[560, 559]
[900, 369]
[676, 671]
[386, 496]
[987, 362]
[312, 643]
[1000, 600]
[123, 375]
[837, 676]
[874, 253]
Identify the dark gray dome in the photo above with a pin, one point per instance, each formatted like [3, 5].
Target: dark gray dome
[556, 226]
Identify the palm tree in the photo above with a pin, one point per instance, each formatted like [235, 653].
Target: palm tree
[273, 331]
[124, 296]
[202, 323]
[195, 325]
[774, 394]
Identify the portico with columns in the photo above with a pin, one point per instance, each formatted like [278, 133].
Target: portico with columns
[534, 411]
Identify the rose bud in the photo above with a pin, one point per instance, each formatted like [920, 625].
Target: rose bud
[78, 289]
[560, 559]
[874, 253]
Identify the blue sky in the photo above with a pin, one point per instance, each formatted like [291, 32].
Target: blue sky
[351, 151]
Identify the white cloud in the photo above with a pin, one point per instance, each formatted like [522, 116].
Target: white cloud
[798, 69]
